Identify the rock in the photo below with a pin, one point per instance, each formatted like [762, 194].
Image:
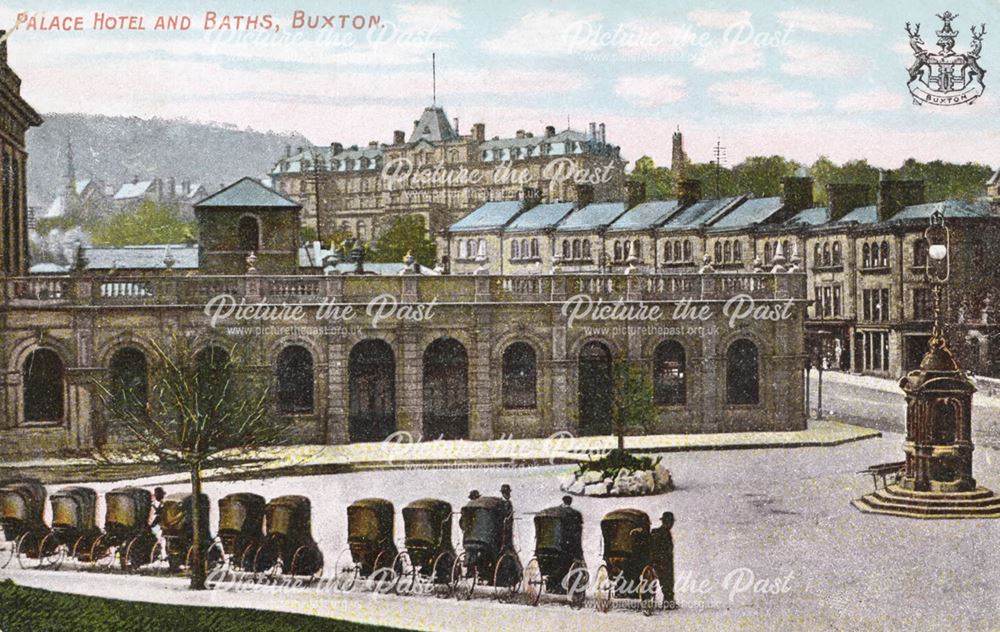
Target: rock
[662, 477]
[576, 487]
[596, 489]
[591, 476]
[645, 483]
[567, 481]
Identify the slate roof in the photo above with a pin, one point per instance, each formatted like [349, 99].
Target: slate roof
[860, 215]
[699, 213]
[594, 216]
[141, 257]
[247, 192]
[131, 190]
[532, 141]
[815, 216]
[81, 185]
[433, 126]
[949, 208]
[645, 215]
[540, 217]
[750, 213]
[489, 216]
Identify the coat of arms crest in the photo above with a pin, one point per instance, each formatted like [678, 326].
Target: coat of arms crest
[946, 77]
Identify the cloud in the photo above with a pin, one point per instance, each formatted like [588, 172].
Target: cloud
[651, 38]
[549, 33]
[874, 101]
[819, 61]
[729, 57]
[822, 21]
[428, 18]
[763, 95]
[651, 90]
[718, 19]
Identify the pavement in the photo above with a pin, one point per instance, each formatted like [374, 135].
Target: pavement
[765, 540]
[406, 451]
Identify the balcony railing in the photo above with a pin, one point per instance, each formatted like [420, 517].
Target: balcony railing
[173, 290]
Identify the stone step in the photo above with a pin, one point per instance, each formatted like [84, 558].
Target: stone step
[979, 492]
[957, 500]
[874, 504]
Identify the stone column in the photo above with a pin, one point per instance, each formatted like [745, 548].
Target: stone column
[713, 382]
[560, 402]
[409, 381]
[337, 385]
[480, 395]
[11, 408]
[81, 402]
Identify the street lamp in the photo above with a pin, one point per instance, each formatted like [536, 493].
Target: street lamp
[937, 268]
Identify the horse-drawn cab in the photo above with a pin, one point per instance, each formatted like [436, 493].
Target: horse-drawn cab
[127, 536]
[22, 504]
[74, 523]
[626, 571]
[241, 527]
[488, 557]
[178, 527]
[370, 523]
[429, 550]
[288, 545]
[558, 566]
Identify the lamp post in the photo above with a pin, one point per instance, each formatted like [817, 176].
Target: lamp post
[937, 270]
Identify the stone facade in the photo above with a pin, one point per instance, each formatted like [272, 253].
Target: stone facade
[441, 175]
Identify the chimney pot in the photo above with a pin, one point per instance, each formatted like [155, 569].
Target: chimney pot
[550, 131]
[479, 132]
[398, 137]
[520, 133]
[601, 137]
[456, 126]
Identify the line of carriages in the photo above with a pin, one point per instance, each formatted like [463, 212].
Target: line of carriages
[267, 539]
[128, 541]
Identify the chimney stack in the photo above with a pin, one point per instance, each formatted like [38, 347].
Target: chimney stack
[601, 136]
[479, 132]
[688, 191]
[456, 127]
[584, 195]
[593, 130]
[532, 196]
[519, 134]
[635, 193]
[336, 148]
[135, 179]
[288, 151]
[796, 193]
[895, 195]
[844, 197]
[550, 131]
[398, 137]
[373, 144]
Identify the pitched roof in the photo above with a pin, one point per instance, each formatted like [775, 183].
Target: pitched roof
[592, 217]
[489, 216]
[860, 215]
[645, 215]
[131, 190]
[81, 185]
[949, 208]
[247, 192]
[433, 126]
[815, 216]
[750, 213]
[699, 213]
[141, 257]
[540, 217]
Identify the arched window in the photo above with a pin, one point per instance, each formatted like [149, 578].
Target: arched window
[519, 376]
[566, 252]
[618, 250]
[576, 248]
[669, 388]
[626, 249]
[837, 254]
[515, 249]
[637, 249]
[129, 379]
[534, 248]
[826, 254]
[884, 256]
[295, 380]
[524, 248]
[482, 247]
[718, 252]
[727, 250]
[678, 254]
[586, 249]
[42, 376]
[866, 257]
[687, 250]
[742, 373]
[737, 251]
[668, 252]
[767, 253]
[786, 249]
[249, 234]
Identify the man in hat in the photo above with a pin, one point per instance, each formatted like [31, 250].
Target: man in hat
[508, 512]
[661, 553]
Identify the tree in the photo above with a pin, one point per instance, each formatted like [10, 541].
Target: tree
[198, 406]
[659, 181]
[631, 399]
[151, 223]
[407, 235]
[761, 175]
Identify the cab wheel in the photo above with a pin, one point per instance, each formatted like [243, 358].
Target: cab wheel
[441, 573]
[578, 578]
[407, 573]
[649, 585]
[534, 583]
[307, 561]
[102, 553]
[463, 579]
[347, 572]
[507, 577]
[51, 552]
[603, 590]
[384, 574]
[267, 561]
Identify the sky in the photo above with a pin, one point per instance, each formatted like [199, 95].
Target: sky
[799, 79]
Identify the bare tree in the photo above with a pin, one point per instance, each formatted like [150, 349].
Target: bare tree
[201, 408]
